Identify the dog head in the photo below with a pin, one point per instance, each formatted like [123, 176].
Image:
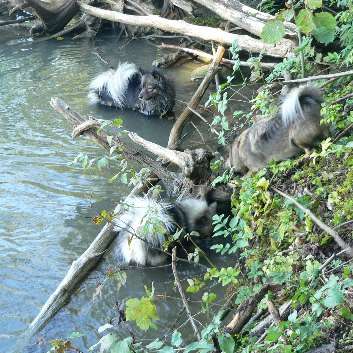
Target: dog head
[151, 85]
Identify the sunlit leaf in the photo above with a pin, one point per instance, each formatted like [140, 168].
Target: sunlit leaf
[273, 32]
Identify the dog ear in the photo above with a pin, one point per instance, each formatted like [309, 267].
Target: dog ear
[157, 75]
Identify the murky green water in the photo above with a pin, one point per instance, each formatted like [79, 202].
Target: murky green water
[45, 205]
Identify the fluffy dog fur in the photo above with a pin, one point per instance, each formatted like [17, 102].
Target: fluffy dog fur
[295, 129]
[128, 87]
[139, 240]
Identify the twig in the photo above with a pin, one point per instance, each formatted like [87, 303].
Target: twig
[320, 77]
[343, 133]
[19, 20]
[342, 98]
[182, 294]
[204, 120]
[318, 222]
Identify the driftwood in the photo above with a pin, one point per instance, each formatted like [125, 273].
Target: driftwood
[243, 16]
[245, 42]
[177, 129]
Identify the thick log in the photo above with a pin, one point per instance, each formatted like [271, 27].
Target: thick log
[245, 42]
[243, 16]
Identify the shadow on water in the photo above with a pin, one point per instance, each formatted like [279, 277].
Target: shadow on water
[46, 206]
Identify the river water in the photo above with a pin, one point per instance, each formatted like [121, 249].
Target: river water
[46, 205]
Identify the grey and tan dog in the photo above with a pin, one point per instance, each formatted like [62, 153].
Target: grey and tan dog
[295, 129]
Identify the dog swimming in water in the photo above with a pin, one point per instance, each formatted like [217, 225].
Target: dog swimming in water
[129, 87]
[145, 225]
[295, 129]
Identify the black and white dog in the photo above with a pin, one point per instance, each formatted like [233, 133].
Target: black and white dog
[147, 223]
[128, 87]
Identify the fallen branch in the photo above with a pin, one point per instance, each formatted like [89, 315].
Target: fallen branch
[342, 244]
[184, 117]
[260, 328]
[245, 310]
[344, 133]
[320, 77]
[183, 297]
[174, 182]
[245, 42]
[205, 55]
[191, 162]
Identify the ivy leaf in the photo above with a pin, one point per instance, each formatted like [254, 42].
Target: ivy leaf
[334, 297]
[273, 32]
[142, 311]
[325, 27]
[305, 21]
[313, 4]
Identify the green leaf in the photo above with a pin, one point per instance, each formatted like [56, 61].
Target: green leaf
[226, 343]
[121, 346]
[107, 341]
[346, 313]
[201, 347]
[313, 4]
[325, 27]
[176, 339]
[75, 335]
[305, 21]
[104, 327]
[273, 335]
[334, 297]
[273, 32]
[142, 311]
[156, 344]
[118, 122]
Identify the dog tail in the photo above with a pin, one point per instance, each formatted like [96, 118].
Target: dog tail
[113, 84]
[298, 99]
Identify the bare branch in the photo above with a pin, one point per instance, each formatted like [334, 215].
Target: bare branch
[322, 225]
[183, 297]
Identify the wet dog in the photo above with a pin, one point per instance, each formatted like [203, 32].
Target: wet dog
[294, 130]
[128, 87]
[146, 225]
